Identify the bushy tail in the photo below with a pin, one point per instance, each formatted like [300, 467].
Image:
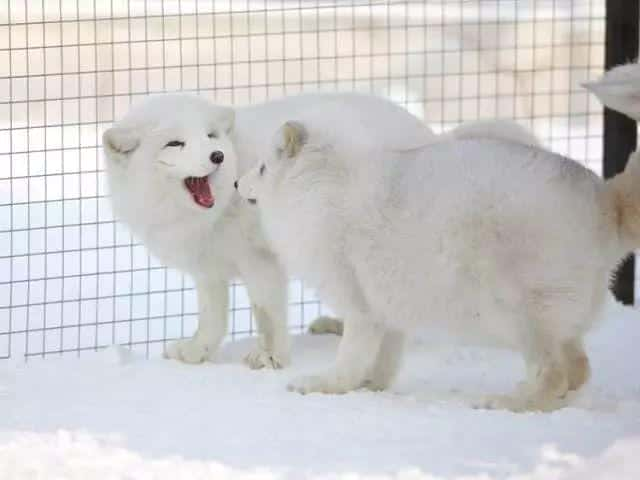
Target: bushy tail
[624, 191]
[506, 130]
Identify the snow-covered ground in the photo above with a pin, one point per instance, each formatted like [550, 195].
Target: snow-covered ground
[114, 415]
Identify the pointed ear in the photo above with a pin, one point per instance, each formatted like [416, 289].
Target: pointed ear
[294, 137]
[119, 143]
[619, 89]
[226, 119]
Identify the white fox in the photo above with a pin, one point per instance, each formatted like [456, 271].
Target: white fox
[492, 240]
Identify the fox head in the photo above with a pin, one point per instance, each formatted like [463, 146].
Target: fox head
[287, 157]
[173, 151]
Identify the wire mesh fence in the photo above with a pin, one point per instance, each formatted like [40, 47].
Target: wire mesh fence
[73, 279]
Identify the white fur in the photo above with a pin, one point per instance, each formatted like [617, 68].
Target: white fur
[502, 129]
[226, 241]
[493, 241]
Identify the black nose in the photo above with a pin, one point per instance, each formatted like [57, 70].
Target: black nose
[217, 157]
[235, 184]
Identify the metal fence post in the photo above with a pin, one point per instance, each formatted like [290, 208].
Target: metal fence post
[620, 132]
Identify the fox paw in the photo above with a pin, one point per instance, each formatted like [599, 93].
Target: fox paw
[519, 404]
[189, 350]
[327, 383]
[326, 325]
[260, 358]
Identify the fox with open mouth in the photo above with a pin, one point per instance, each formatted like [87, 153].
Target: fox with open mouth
[170, 165]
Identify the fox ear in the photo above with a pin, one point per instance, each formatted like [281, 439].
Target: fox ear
[226, 119]
[119, 143]
[619, 89]
[294, 137]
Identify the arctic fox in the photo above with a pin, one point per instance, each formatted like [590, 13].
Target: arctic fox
[492, 240]
[499, 129]
[171, 163]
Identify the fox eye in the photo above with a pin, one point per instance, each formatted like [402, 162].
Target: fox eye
[213, 135]
[262, 169]
[175, 143]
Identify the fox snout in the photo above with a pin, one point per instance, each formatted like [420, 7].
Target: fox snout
[252, 201]
[216, 157]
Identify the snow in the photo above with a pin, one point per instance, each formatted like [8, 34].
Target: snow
[114, 415]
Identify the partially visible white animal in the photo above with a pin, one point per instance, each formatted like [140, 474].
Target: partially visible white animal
[619, 89]
[171, 163]
[491, 240]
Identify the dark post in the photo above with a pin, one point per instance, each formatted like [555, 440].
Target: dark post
[620, 132]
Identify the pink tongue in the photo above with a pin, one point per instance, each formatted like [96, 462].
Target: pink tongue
[200, 191]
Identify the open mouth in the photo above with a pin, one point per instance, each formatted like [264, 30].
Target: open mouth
[200, 190]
